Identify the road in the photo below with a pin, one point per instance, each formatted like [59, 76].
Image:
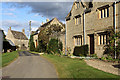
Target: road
[29, 66]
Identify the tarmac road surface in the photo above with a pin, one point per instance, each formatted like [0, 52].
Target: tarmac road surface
[29, 66]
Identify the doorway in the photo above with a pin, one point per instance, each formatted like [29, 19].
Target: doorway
[91, 43]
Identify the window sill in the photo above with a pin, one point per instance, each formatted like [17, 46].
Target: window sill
[104, 18]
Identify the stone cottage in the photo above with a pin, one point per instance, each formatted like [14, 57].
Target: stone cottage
[48, 23]
[18, 38]
[89, 23]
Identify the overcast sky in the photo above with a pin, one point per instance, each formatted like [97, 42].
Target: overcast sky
[18, 14]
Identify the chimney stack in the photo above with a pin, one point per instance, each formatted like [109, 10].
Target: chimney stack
[42, 23]
[23, 30]
[10, 28]
[47, 20]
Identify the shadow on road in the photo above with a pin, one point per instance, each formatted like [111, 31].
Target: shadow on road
[26, 53]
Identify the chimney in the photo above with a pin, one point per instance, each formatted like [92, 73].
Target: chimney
[42, 23]
[47, 20]
[23, 30]
[10, 28]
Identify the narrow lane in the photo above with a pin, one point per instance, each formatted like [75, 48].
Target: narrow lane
[29, 66]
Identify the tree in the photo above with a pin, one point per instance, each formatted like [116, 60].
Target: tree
[31, 43]
[110, 48]
[45, 34]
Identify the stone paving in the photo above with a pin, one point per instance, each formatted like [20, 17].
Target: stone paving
[113, 68]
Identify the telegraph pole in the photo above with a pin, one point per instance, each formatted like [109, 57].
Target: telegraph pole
[30, 27]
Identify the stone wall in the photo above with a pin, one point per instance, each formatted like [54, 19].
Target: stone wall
[93, 25]
[18, 42]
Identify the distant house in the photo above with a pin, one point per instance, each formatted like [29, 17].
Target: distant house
[18, 38]
[1, 40]
[60, 35]
[89, 23]
[8, 46]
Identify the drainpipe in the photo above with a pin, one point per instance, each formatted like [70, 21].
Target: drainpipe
[115, 24]
[84, 26]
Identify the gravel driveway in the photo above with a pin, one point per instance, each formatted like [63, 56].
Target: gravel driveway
[104, 66]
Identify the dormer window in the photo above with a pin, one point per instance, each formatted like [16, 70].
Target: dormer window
[103, 12]
[77, 5]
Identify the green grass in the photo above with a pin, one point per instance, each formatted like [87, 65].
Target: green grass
[76, 68]
[7, 58]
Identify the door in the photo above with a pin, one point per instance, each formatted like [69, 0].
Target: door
[92, 44]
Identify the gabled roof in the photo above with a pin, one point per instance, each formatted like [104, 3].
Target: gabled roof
[47, 23]
[73, 8]
[19, 35]
[44, 25]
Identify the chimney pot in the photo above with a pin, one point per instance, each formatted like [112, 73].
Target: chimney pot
[10, 28]
[47, 20]
[23, 30]
[42, 23]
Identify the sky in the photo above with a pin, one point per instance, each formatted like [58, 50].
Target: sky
[18, 14]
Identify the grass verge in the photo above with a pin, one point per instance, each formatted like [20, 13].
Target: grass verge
[33, 52]
[76, 68]
[8, 57]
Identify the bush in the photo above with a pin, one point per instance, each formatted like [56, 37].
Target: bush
[93, 55]
[81, 50]
[103, 58]
[31, 43]
[54, 46]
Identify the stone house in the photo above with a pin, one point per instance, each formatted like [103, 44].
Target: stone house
[89, 23]
[48, 23]
[18, 38]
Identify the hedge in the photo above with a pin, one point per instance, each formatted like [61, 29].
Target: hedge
[81, 50]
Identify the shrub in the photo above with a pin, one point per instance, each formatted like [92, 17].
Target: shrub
[81, 50]
[94, 55]
[31, 43]
[109, 57]
[54, 46]
[103, 58]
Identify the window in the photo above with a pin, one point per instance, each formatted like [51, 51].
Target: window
[77, 5]
[78, 40]
[104, 12]
[103, 39]
[77, 20]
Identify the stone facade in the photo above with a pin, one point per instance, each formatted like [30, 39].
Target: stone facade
[99, 17]
[18, 38]
[48, 23]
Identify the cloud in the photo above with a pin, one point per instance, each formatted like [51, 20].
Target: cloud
[47, 9]
[8, 14]
[35, 23]
[34, 28]
[9, 23]
[37, 0]
[12, 9]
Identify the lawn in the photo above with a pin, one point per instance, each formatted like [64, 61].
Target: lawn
[7, 58]
[76, 68]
